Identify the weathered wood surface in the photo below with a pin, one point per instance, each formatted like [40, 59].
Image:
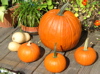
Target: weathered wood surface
[11, 61]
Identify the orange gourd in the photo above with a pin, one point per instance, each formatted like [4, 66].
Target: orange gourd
[85, 55]
[28, 52]
[55, 62]
[60, 26]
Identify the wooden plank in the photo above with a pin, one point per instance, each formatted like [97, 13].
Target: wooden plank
[5, 32]
[4, 46]
[41, 70]
[85, 69]
[96, 67]
[10, 61]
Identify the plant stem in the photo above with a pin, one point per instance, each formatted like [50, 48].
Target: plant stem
[63, 9]
[55, 52]
[86, 44]
[29, 43]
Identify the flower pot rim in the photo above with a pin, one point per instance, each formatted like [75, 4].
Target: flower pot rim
[29, 29]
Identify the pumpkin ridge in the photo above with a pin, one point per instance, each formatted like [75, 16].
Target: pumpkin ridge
[61, 40]
[67, 20]
[50, 29]
[59, 26]
[44, 20]
[59, 62]
[59, 33]
[45, 25]
[71, 29]
[72, 26]
[63, 31]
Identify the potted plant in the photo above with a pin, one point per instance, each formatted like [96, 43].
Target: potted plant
[6, 9]
[28, 15]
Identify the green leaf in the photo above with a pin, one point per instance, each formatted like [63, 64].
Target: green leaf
[95, 26]
[85, 18]
[86, 25]
[49, 2]
[1, 16]
[50, 7]
[76, 9]
[72, 1]
[79, 2]
[94, 3]
[76, 14]
[4, 2]
[88, 5]
[99, 12]
[2, 9]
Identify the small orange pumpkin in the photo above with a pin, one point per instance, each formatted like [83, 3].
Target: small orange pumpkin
[85, 55]
[55, 62]
[28, 52]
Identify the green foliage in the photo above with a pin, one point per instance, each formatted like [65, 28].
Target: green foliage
[86, 13]
[29, 13]
[4, 2]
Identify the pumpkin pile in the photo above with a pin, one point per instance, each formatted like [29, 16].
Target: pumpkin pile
[59, 30]
[27, 51]
[62, 27]
[17, 39]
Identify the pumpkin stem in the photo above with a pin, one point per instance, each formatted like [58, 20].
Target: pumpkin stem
[86, 44]
[55, 52]
[63, 9]
[29, 43]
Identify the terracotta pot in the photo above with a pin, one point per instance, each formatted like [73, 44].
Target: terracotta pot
[7, 22]
[33, 30]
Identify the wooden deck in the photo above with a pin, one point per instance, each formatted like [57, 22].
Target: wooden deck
[11, 61]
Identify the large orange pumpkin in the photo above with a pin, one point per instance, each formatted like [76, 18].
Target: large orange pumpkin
[61, 27]
[28, 52]
[85, 55]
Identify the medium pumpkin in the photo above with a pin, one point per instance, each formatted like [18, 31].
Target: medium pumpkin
[55, 62]
[85, 55]
[28, 52]
[60, 26]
